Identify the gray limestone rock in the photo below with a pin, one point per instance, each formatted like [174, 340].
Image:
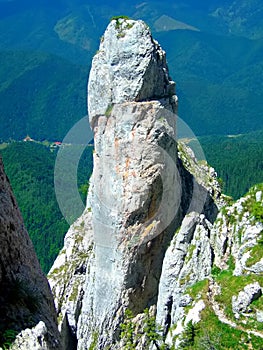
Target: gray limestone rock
[135, 190]
[259, 316]
[129, 66]
[257, 268]
[259, 196]
[67, 277]
[185, 300]
[25, 296]
[134, 194]
[235, 233]
[37, 338]
[250, 293]
[187, 260]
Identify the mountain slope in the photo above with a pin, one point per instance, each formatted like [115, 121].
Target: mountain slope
[218, 81]
[41, 95]
[237, 160]
[25, 297]
[30, 167]
[222, 61]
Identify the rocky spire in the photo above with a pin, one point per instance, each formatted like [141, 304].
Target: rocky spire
[131, 101]
[25, 297]
[138, 194]
[134, 194]
[129, 66]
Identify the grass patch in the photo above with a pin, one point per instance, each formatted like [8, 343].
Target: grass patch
[94, 343]
[3, 145]
[218, 335]
[7, 338]
[215, 271]
[190, 253]
[256, 253]
[117, 18]
[121, 25]
[198, 290]
[109, 110]
[232, 285]
[210, 332]
[255, 208]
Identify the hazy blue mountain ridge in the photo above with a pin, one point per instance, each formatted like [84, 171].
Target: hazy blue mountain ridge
[41, 95]
[217, 65]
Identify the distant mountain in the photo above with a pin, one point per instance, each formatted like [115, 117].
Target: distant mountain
[214, 49]
[242, 18]
[218, 80]
[41, 95]
[66, 29]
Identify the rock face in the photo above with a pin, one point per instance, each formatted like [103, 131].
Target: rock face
[155, 225]
[187, 260]
[25, 296]
[136, 188]
[250, 293]
[37, 338]
[131, 105]
[129, 66]
[68, 274]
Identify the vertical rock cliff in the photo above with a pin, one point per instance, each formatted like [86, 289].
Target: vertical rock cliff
[25, 297]
[131, 109]
[131, 101]
[138, 193]
[150, 230]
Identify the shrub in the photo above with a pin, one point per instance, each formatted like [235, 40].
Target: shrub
[8, 338]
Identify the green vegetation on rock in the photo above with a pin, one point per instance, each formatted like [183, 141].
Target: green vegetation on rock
[7, 338]
[210, 332]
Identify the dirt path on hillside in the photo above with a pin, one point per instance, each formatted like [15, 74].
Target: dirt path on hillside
[213, 290]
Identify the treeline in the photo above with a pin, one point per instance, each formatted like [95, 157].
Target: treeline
[30, 168]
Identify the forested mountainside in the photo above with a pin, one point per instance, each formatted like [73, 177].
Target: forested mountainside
[214, 50]
[25, 297]
[30, 168]
[237, 160]
[41, 95]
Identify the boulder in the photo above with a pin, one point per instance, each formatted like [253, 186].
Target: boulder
[250, 293]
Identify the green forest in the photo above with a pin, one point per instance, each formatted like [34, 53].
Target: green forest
[41, 95]
[238, 160]
[30, 168]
